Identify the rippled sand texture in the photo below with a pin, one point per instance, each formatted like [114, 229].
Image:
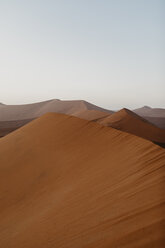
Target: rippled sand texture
[69, 183]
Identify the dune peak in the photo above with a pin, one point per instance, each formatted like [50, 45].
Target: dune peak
[68, 182]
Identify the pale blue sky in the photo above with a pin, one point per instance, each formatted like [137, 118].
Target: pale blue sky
[109, 52]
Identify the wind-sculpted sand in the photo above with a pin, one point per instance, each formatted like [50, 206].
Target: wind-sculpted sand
[157, 121]
[92, 115]
[130, 122]
[31, 111]
[70, 183]
[150, 112]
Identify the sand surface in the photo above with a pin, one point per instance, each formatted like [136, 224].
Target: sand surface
[157, 121]
[150, 112]
[70, 183]
[130, 122]
[92, 115]
[31, 111]
[7, 127]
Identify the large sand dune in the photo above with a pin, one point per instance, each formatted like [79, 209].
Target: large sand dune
[15, 116]
[31, 111]
[130, 122]
[150, 112]
[69, 183]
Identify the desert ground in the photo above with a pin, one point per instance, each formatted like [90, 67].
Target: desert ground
[75, 175]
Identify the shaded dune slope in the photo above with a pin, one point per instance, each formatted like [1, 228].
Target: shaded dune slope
[157, 121]
[150, 112]
[30, 111]
[68, 183]
[130, 122]
[7, 127]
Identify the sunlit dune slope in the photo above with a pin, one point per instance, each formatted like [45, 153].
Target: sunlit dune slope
[31, 111]
[128, 121]
[69, 183]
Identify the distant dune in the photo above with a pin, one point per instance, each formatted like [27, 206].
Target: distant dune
[68, 182]
[130, 122]
[7, 127]
[15, 116]
[158, 121]
[31, 111]
[93, 115]
[150, 112]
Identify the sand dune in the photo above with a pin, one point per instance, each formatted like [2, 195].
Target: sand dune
[130, 122]
[157, 121]
[92, 115]
[31, 111]
[7, 127]
[150, 112]
[70, 183]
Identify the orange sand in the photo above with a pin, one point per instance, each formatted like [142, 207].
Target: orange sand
[69, 183]
[7, 127]
[92, 115]
[128, 121]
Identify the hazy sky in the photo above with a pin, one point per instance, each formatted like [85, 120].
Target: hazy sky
[109, 52]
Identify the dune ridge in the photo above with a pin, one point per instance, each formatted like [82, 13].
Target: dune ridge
[130, 122]
[92, 115]
[157, 121]
[7, 127]
[34, 110]
[68, 182]
[15, 116]
[150, 112]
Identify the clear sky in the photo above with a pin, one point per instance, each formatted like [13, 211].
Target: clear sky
[109, 52]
